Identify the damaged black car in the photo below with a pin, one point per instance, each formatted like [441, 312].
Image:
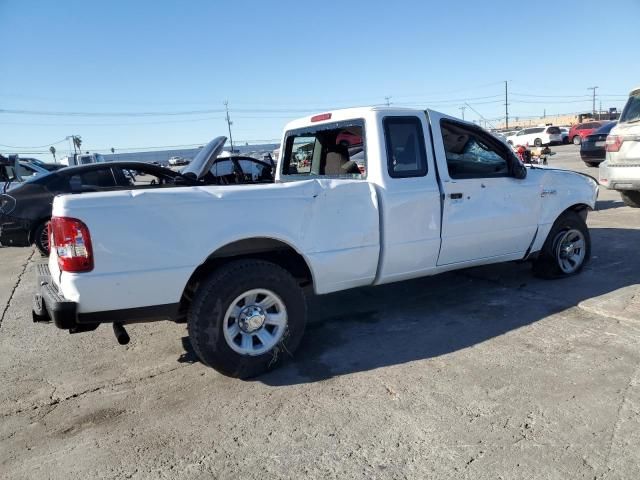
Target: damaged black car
[25, 210]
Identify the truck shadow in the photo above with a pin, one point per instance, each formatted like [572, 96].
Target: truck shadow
[368, 328]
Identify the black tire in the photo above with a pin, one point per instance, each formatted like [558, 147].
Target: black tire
[631, 198]
[591, 164]
[41, 238]
[576, 140]
[216, 294]
[547, 265]
[537, 142]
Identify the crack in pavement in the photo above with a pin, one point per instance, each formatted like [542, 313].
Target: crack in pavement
[616, 425]
[56, 401]
[15, 287]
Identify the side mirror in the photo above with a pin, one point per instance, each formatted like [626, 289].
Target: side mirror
[519, 170]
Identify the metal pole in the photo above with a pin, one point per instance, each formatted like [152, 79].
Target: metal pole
[593, 107]
[229, 123]
[387, 100]
[506, 104]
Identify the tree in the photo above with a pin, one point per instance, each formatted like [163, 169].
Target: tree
[77, 142]
[52, 149]
[113, 150]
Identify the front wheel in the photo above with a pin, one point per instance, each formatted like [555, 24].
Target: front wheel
[576, 140]
[566, 250]
[537, 142]
[631, 198]
[591, 164]
[246, 317]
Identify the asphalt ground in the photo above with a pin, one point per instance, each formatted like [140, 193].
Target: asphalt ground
[483, 373]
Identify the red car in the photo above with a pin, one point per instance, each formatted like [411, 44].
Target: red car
[581, 130]
[348, 139]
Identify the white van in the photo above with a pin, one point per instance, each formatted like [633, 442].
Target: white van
[536, 136]
[81, 159]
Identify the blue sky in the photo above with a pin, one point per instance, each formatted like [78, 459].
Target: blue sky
[276, 61]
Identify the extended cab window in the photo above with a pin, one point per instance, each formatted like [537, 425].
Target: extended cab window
[472, 153]
[335, 149]
[406, 153]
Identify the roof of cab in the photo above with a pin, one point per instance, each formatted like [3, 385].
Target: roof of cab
[346, 114]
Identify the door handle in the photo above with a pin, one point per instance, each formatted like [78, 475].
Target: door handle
[455, 196]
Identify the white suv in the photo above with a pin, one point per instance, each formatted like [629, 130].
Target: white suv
[536, 136]
[621, 170]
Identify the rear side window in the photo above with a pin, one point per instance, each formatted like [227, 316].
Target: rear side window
[92, 179]
[536, 130]
[335, 150]
[631, 111]
[406, 152]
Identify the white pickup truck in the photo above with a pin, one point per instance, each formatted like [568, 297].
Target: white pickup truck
[413, 193]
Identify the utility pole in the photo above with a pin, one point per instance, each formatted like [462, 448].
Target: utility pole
[506, 104]
[600, 110]
[387, 100]
[229, 123]
[462, 110]
[594, 101]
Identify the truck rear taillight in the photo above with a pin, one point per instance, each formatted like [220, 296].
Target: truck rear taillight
[72, 242]
[614, 142]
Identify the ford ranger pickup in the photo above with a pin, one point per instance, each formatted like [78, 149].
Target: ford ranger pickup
[415, 193]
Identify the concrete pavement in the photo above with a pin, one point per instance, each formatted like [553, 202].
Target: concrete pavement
[484, 373]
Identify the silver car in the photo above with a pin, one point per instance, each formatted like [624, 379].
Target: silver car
[621, 169]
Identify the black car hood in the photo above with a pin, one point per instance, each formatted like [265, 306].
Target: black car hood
[204, 160]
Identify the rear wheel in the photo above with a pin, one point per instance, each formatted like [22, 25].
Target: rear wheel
[631, 198]
[576, 140]
[537, 142]
[591, 164]
[566, 250]
[41, 238]
[247, 317]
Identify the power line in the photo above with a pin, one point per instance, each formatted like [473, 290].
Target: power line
[37, 146]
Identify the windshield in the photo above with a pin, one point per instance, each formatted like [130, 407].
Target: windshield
[606, 128]
[631, 112]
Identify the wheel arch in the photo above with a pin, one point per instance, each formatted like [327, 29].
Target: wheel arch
[266, 248]
[581, 209]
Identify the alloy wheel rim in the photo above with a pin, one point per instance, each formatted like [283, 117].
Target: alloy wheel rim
[255, 322]
[44, 237]
[570, 250]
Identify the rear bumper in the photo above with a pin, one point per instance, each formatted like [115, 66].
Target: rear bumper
[50, 305]
[13, 232]
[620, 177]
[593, 155]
